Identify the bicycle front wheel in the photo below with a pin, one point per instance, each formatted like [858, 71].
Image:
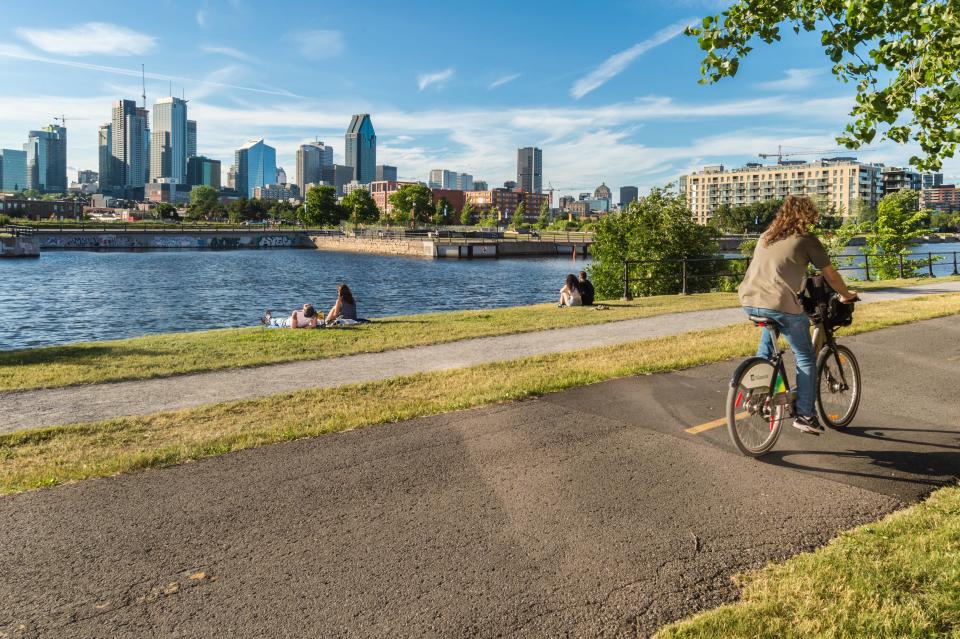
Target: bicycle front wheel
[838, 387]
[754, 412]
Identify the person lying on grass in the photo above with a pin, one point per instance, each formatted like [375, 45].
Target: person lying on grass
[303, 318]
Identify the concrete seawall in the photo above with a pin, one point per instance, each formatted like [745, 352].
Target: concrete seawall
[409, 248]
[205, 240]
[448, 248]
[19, 246]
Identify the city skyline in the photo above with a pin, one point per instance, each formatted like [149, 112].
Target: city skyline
[627, 111]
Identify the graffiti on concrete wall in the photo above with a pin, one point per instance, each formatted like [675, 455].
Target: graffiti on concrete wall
[123, 241]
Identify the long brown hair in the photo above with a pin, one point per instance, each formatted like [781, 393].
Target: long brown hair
[794, 218]
[344, 292]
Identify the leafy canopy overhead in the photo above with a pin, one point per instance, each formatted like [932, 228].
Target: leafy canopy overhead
[903, 56]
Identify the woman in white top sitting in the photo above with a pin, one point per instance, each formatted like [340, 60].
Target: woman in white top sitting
[303, 318]
[570, 293]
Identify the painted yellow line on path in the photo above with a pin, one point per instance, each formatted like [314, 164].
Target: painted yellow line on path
[695, 430]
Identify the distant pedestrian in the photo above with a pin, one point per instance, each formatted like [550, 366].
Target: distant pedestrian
[586, 289]
[303, 318]
[345, 307]
[570, 293]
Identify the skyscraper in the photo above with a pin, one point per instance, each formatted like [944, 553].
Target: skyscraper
[311, 158]
[361, 148]
[256, 165]
[191, 139]
[105, 156]
[13, 170]
[168, 145]
[130, 145]
[530, 169]
[203, 171]
[387, 173]
[628, 194]
[47, 159]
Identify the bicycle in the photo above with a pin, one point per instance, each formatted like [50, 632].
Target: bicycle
[760, 397]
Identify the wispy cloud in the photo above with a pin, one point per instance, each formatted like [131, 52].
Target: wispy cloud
[91, 38]
[17, 53]
[793, 80]
[439, 78]
[616, 63]
[230, 52]
[318, 43]
[499, 82]
[202, 17]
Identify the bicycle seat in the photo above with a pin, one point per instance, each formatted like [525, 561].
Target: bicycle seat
[760, 320]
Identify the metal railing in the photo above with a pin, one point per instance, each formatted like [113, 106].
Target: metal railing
[710, 273]
[17, 230]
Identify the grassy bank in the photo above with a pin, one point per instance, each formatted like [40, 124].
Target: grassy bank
[896, 578]
[50, 456]
[179, 353]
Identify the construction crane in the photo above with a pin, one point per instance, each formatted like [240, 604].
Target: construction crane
[780, 154]
[62, 119]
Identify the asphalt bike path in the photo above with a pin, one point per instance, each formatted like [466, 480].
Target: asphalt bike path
[33, 409]
[590, 512]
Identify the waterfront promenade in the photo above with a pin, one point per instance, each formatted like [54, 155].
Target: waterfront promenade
[590, 512]
[31, 409]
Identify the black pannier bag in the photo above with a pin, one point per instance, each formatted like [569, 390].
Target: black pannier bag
[822, 303]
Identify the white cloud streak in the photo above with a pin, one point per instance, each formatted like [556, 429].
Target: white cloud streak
[615, 64]
[499, 82]
[318, 43]
[201, 17]
[17, 53]
[91, 38]
[230, 52]
[438, 78]
[793, 80]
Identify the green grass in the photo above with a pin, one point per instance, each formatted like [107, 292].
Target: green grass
[49, 456]
[896, 578]
[179, 353]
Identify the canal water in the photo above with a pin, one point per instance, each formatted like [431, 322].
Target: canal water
[70, 296]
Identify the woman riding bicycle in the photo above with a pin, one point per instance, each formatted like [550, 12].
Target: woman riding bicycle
[769, 289]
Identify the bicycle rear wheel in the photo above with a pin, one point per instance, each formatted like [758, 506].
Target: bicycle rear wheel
[754, 416]
[838, 387]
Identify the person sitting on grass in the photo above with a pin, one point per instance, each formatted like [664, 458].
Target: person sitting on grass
[570, 293]
[586, 289]
[345, 307]
[303, 318]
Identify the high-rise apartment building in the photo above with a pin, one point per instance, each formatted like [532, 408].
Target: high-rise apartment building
[203, 171]
[386, 173]
[281, 175]
[168, 146]
[130, 146]
[450, 180]
[46, 151]
[628, 194]
[13, 170]
[256, 165]
[944, 198]
[311, 158]
[191, 139]
[479, 185]
[530, 169]
[837, 182]
[361, 148]
[105, 155]
[897, 179]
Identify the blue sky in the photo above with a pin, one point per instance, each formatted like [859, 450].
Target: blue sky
[608, 90]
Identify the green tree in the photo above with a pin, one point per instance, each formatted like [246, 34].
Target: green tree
[283, 211]
[898, 222]
[466, 214]
[360, 207]
[495, 215]
[544, 218]
[166, 211]
[944, 222]
[657, 231]
[902, 55]
[442, 210]
[489, 219]
[518, 213]
[413, 200]
[320, 207]
[204, 202]
[750, 218]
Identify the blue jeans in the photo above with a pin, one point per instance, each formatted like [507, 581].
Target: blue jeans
[796, 329]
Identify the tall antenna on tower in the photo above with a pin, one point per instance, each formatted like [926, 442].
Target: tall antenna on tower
[143, 77]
